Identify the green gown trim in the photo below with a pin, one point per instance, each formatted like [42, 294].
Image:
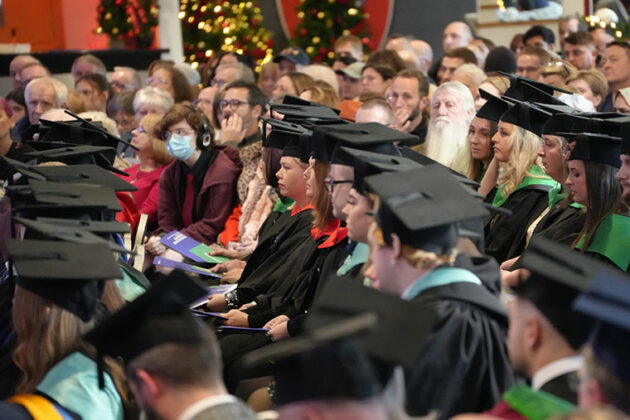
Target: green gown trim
[535, 176]
[612, 240]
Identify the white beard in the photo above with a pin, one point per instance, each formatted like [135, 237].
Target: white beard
[447, 143]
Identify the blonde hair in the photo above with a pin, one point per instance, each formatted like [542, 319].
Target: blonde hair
[323, 93]
[502, 83]
[594, 78]
[524, 147]
[159, 153]
[99, 116]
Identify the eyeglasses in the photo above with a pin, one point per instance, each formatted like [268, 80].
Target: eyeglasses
[217, 82]
[121, 86]
[198, 101]
[330, 183]
[233, 104]
[157, 81]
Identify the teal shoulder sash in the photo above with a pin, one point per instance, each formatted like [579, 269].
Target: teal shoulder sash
[441, 277]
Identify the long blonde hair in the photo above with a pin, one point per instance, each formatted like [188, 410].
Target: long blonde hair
[524, 147]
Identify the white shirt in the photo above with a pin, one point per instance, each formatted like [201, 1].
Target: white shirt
[201, 405]
[554, 369]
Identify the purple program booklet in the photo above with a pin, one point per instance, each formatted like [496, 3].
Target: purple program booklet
[165, 262]
[190, 248]
[226, 327]
[205, 314]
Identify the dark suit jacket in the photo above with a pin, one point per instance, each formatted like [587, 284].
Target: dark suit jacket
[564, 386]
[226, 411]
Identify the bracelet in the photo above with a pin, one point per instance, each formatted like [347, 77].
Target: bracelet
[231, 300]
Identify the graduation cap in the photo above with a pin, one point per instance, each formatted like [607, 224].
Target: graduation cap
[77, 155]
[595, 148]
[608, 302]
[558, 276]
[161, 315]
[296, 100]
[493, 108]
[66, 233]
[65, 273]
[300, 363]
[524, 91]
[73, 194]
[517, 81]
[292, 143]
[423, 207]
[369, 163]
[97, 227]
[373, 137]
[406, 324]
[300, 113]
[85, 174]
[424, 160]
[556, 108]
[526, 116]
[559, 123]
[620, 128]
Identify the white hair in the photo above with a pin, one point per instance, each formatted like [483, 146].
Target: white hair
[461, 92]
[152, 95]
[98, 116]
[324, 73]
[61, 91]
[135, 77]
[193, 76]
[244, 73]
[475, 73]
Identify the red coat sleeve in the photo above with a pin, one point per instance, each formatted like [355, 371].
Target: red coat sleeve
[169, 214]
[150, 204]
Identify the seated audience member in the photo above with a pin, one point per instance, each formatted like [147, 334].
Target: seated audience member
[456, 35]
[452, 60]
[350, 83]
[322, 93]
[604, 380]
[579, 50]
[94, 91]
[471, 76]
[32, 71]
[75, 102]
[145, 175]
[15, 99]
[521, 184]
[120, 109]
[42, 94]
[540, 37]
[323, 73]
[387, 58]
[15, 67]
[452, 110]
[480, 140]
[376, 78]
[291, 60]
[495, 85]
[408, 97]
[591, 84]
[557, 72]
[216, 60]
[424, 52]
[172, 360]
[408, 257]
[623, 175]
[173, 81]
[602, 38]
[499, 59]
[87, 64]
[124, 78]
[205, 102]
[151, 100]
[198, 190]
[483, 47]
[290, 84]
[593, 164]
[8, 147]
[101, 117]
[349, 46]
[376, 110]
[568, 25]
[267, 78]
[530, 62]
[516, 44]
[615, 65]
[227, 73]
[49, 309]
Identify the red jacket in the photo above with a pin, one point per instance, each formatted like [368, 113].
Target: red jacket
[214, 203]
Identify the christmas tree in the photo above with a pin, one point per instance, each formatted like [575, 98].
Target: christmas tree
[211, 26]
[132, 21]
[323, 21]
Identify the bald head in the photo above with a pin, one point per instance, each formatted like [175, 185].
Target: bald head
[424, 52]
[16, 66]
[456, 35]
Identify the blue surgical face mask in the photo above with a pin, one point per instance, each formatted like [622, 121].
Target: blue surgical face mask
[179, 147]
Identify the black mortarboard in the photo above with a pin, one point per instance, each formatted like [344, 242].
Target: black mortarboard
[523, 91]
[97, 227]
[557, 108]
[161, 315]
[595, 148]
[74, 194]
[423, 207]
[77, 155]
[558, 276]
[368, 163]
[295, 100]
[526, 116]
[293, 144]
[622, 127]
[85, 174]
[516, 81]
[608, 301]
[373, 137]
[424, 160]
[300, 113]
[64, 273]
[300, 363]
[404, 324]
[37, 229]
[493, 108]
[559, 123]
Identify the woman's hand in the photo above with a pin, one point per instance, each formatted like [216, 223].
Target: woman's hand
[216, 303]
[279, 332]
[153, 246]
[231, 276]
[276, 321]
[227, 266]
[237, 318]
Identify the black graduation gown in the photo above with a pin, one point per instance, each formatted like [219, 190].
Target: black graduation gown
[10, 375]
[17, 151]
[465, 367]
[562, 225]
[484, 267]
[563, 386]
[505, 236]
